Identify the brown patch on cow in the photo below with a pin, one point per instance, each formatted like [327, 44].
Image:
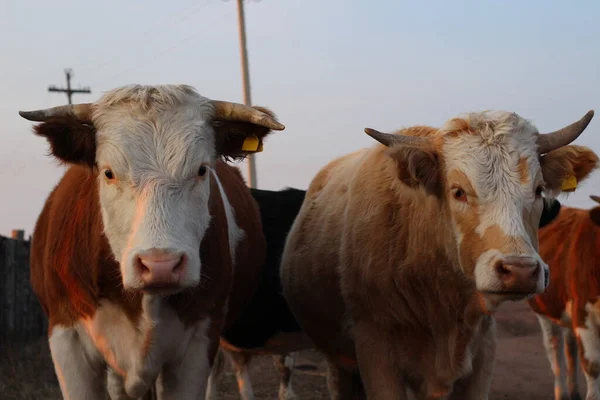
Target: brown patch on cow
[573, 265]
[230, 135]
[473, 244]
[70, 140]
[458, 126]
[459, 178]
[523, 170]
[418, 130]
[578, 161]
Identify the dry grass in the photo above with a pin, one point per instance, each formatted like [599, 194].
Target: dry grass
[26, 373]
[521, 369]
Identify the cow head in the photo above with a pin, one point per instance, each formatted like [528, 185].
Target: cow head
[489, 171]
[153, 149]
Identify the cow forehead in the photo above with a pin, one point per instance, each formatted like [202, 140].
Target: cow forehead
[165, 128]
[495, 152]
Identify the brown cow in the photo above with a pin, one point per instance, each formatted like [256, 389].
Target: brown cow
[150, 245]
[569, 310]
[402, 252]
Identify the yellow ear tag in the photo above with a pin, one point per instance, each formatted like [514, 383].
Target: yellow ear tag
[251, 143]
[260, 147]
[569, 184]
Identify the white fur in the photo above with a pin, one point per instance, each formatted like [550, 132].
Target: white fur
[244, 384]
[490, 159]
[77, 364]
[236, 234]
[286, 392]
[553, 336]
[154, 141]
[590, 340]
[188, 377]
[80, 353]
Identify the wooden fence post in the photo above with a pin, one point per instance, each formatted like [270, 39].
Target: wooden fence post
[18, 234]
[21, 315]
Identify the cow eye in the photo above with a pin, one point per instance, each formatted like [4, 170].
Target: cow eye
[460, 195]
[202, 170]
[109, 174]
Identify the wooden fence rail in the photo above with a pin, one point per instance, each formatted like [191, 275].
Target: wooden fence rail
[21, 317]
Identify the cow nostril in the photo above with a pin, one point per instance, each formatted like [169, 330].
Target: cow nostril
[501, 269]
[141, 267]
[179, 266]
[536, 273]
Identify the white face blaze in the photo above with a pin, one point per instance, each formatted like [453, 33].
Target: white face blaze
[154, 153]
[493, 184]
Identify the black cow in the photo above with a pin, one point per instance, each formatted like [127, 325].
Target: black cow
[551, 210]
[267, 326]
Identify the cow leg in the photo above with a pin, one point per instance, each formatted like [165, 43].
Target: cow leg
[216, 374]
[589, 353]
[240, 361]
[572, 365]
[477, 385]
[116, 386]
[379, 374]
[343, 384]
[285, 366]
[78, 366]
[553, 337]
[188, 379]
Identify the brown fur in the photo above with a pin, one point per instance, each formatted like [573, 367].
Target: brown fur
[570, 247]
[406, 316]
[378, 294]
[70, 140]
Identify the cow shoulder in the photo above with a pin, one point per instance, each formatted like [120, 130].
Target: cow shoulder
[69, 251]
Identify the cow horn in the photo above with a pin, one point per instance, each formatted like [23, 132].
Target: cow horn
[228, 111]
[83, 112]
[562, 137]
[595, 198]
[390, 139]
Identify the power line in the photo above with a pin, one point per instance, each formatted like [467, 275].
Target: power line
[246, 83]
[68, 90]
[143, 62]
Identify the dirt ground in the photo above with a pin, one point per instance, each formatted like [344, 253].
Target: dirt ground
[521, 370]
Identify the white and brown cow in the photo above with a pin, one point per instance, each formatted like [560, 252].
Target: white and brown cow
[150, 245]
[402, 252]
[569, 310]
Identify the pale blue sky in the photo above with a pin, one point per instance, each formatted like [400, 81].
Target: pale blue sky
[327, 68]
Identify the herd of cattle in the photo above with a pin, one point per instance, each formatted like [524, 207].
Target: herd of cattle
[153, 260]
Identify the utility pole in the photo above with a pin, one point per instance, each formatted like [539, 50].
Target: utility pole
[68, 90]
[246, 83]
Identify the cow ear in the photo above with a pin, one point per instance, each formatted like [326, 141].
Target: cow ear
[419, 166]
[70, 140]
[236, 139]
[566, 166]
